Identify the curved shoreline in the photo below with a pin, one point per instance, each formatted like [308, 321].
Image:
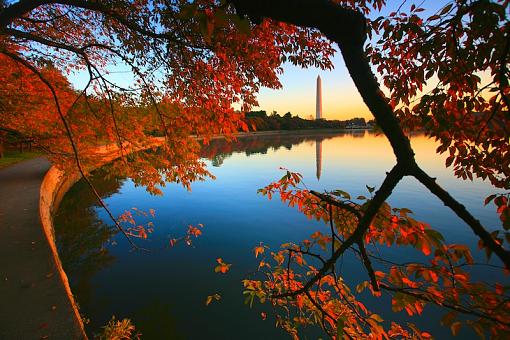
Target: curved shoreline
[56, 183]
[54, 186]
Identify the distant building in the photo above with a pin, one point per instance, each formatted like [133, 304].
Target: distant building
[318, 106]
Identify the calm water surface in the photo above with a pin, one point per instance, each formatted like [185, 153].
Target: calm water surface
[163, 291]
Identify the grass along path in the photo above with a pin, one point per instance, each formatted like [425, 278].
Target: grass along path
[13, 157]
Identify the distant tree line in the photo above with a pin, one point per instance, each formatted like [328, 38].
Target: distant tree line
[261, 121]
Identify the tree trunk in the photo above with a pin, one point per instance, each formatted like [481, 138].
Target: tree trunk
[2, 143]
[347, 28]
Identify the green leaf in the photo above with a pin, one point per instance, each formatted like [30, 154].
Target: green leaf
[341, 193]
[376, 317]
[505, 218]
[362, 286]
[405, 211]
[340, 322]
[285, 177]
[338, 244]
[455, 328]
[489, 199]
[446, 9]
[434, 234]
[250, 295]
[211, 298]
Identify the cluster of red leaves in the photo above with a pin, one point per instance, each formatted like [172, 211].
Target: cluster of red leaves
[222, 267]
[27, 106]
[134, 229]
[191, 233]
[443, 278]
[448, 75]
[190, 63]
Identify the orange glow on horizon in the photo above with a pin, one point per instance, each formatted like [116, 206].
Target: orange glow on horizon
[340, 98]
[337, 104]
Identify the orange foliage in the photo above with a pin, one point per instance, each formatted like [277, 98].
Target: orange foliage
[191, 62]
[222, 267]
[442, 279]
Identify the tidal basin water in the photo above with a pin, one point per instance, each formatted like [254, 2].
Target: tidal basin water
[163, 291]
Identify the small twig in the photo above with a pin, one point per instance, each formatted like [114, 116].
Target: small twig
[443, 303]
[368, 266]
[350, 207]
[462, 212]
[319, 307]
[333, 234]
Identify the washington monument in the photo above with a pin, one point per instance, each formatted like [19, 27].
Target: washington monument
[318, 107]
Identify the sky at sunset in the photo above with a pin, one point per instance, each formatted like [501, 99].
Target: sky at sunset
[340, 99]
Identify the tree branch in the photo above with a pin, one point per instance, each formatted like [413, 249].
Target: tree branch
[391, 180]
[465, 215]
[458, 308]
[350, 207]
[16, 10]
[368, 266]
[70, 136]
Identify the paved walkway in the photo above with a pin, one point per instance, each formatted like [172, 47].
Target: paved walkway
[33, 302]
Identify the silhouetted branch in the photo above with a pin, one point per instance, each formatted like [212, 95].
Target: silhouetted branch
[350, 207]
[368, 266]
[70, 137]
[443, 303]
[391, 180]
[462, 212]
[334, 21]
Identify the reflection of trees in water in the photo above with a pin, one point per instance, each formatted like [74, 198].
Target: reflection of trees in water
[81, 235]
[158, 321]
[219, 149]
[357, 133]
[217, 160]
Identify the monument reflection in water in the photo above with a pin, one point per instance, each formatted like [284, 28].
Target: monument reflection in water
[164, 291]
[318, 158]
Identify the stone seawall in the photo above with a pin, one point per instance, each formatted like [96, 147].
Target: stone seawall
[54, 186]
[56, 183]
